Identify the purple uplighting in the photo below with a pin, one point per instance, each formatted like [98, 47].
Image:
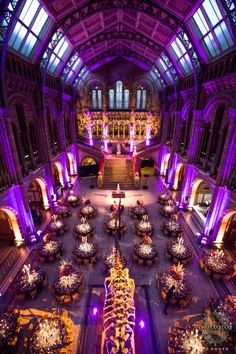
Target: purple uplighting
[94, 312]
[142, 324]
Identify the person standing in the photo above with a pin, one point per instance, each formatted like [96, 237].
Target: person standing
[169, 296]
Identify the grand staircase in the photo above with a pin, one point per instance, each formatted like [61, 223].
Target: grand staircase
[118, 170]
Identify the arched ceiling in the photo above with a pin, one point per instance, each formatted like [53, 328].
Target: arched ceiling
[134, 29]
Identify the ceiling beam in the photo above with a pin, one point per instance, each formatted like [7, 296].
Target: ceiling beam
[119, 53]
[118, 35]
[150, 8]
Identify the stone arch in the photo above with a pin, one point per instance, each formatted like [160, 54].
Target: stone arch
[13, 218]
[58, 166]
[70, 163]
[43, 187]
[88, 160]
[165, 164]
[224, 224]
[186, 108]
[195, 185]
[212, 105]
[178, 175]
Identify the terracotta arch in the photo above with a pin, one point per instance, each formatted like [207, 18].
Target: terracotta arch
[223, 226]
[43, 187]
[195, 186]
[13, 217]
[70, 161]
[94, 162]
[178, 171]
[165, 163]
[59, 170]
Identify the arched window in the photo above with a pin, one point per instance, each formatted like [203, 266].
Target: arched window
[138, 100]
[111, 98]
[99, 99]
[119, 95]
[94, 99]
[126, 99]
[141, 99]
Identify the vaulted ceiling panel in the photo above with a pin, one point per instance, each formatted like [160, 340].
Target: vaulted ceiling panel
[132, 28]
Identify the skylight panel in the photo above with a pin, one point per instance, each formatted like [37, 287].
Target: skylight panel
[180, 53]
[201, 22]
[28, 11]
[61, 49]
[212, 8]
[40, 20]
[166, 67]
[71, 67]
[32, 23]
[76, 64]
[163, 65]
[210, 22]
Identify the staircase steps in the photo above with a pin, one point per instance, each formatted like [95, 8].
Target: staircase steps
[118, 170]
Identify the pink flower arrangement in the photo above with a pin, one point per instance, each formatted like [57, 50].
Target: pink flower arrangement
[65, 269]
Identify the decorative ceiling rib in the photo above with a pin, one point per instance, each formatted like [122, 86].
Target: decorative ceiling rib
[145, 27]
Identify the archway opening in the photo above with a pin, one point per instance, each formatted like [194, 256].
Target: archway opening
[10, 231]
[227, 231]
[89, 167]
[166, 164]
[88, 161]
[200, 198]
[69, 162]
[179, 176]
[38, 200]
[57, 174]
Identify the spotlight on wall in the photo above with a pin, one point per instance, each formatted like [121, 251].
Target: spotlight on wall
[142, 324]
[94, 312]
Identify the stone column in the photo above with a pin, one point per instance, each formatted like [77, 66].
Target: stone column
[61, 130]
[229, 152]
[164, 133]
[208, 148]
[8, 147]
[178, 123]
[218, 205]
[171, 170]
[43, 137]
[195, 136]
[187, 184]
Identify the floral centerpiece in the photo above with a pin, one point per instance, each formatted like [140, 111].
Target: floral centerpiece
[57, 225]
[175, 276]
[87, 210]
[29, 278]
[172, 226]
[68, 280]
[140, 202]
[84, 228]
[8, 324]
[49, 336]
[50, 248]
[72, 199]
[85, 249]
[179, 249]
[218, 262]
[145, 250]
